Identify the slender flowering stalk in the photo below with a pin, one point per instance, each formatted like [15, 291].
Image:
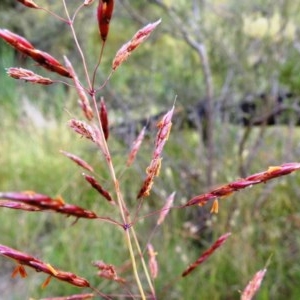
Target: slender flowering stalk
[26, 260]
[253, 286]
[28, 76]
[219, 242]
[228, 189]
[73, 297]
[126, 50]
[79, 161]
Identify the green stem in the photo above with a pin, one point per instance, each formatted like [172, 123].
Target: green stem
[122, 206]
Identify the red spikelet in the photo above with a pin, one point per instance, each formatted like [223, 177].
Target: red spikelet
[253, 285]
[218, 243]
[104, 13]
[125, 51]
[96, 185]
[24, 259]
[104, 118]
[42, 58]
[28, 76]
[15, 40]
[108, 271]
[29, 3]
[228, 189]
[79, 161]
[164, 128]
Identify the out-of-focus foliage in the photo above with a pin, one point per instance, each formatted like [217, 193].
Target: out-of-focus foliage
[251, 47]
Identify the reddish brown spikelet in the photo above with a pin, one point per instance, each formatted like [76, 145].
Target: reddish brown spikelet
[135, 147]
[253, 285]
[84, 101]
[152, 171]
[136, 40]
[29, 3]
[108, 271]
[15, 40]
[153, 265]
[79, 161]
[32, 262]
[219, 242]
[32, 198]
[104, 14]
[38, 202]
[83, 129]
[48, 62]
[164, 127]
[96, 185]
[73, 297]
[76, 211]
[165, 210]
[104, 118]
[29, 76]
[15, 205]
[44, 59]
[262, 177]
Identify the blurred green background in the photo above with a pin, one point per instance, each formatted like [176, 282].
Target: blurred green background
[252, 49]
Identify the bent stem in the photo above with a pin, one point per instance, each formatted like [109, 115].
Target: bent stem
[98, 64]
[71, 21]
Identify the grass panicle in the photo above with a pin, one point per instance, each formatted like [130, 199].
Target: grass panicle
[135, 278]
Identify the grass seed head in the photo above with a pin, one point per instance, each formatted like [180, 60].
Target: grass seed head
[104, 118]
[79, 161]
[29, 3]
[253, 285]
[125, 51]
[204, 256]
[104, 14]
[28, 76]
[83, 98]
